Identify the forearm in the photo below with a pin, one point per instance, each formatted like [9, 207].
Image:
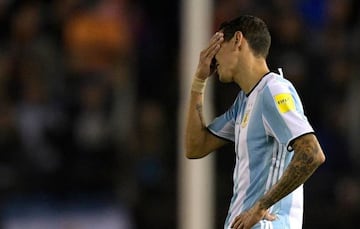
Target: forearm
[307, 158]
[196, 127]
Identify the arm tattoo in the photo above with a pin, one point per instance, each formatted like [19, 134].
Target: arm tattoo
[299, 170]
[199, 109]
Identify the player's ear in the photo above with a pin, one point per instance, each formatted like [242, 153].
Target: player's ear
[238, 38]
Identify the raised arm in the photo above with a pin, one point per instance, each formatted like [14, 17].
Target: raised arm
[308, 156]
[199, 141]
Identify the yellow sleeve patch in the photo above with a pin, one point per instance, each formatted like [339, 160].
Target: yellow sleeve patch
[284, 102]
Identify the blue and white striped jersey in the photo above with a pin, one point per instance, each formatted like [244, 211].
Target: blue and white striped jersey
[262, 124]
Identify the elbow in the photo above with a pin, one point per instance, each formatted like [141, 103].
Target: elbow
[196, 148]
[320, 158]
[193, 154]
[191, 149]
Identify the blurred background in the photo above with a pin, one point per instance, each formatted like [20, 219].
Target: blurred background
[89, 95]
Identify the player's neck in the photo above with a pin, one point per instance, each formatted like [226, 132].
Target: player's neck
[249, 75]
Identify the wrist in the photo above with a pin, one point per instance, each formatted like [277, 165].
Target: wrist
[198, 85]
[263, 204]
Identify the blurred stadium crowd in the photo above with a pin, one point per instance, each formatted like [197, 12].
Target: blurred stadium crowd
[88, 101]
[76, 124]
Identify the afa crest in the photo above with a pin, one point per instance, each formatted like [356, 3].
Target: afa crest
[245, 119]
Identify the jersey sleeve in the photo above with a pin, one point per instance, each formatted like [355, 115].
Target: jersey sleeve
[283, 113]
[223, 126]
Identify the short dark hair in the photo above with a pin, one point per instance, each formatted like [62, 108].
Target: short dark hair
[253, 29]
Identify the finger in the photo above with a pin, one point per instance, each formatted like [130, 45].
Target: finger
[211, 51]
[216, 41]
[207, 58]
[236, 222]
[270, 217]
[213, 47]
[215, 37]
[241, 226]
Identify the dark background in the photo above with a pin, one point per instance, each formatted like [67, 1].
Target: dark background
[89, 99]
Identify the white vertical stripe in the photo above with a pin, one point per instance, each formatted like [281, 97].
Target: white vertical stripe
[277, 165]
[271, 172]
[282, 162]
[262, 226]
[270, 181]
[296, 211]
[234, 203]
[242, 165]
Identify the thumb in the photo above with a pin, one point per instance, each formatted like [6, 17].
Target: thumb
[269, 216]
